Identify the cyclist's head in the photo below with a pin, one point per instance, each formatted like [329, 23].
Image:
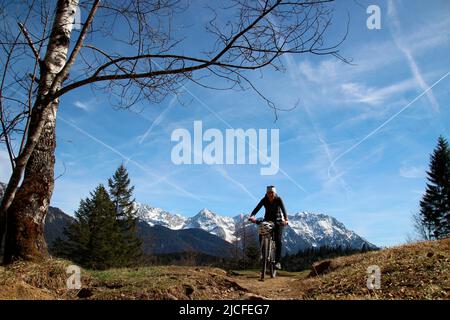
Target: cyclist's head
[271, 192]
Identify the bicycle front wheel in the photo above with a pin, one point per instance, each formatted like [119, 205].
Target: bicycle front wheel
[265, 256]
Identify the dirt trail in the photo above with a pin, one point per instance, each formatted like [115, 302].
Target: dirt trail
[283, 287]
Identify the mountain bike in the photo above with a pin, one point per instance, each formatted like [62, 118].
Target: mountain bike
[265, 230]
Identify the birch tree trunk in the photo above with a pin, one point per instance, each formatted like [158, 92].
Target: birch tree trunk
[25, 222]
[25, 214]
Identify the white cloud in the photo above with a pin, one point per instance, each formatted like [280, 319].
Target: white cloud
[374, 56]
[323, 72]
[81, 105]
[5, 166]
[358, 92]
[412, 172]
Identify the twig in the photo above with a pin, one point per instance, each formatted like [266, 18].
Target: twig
[30, 43]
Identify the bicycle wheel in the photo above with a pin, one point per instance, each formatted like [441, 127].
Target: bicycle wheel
[265, 256]
[273, 270]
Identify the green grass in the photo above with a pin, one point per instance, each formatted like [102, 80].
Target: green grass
[126, 274]
[130, 283]
[280, 273]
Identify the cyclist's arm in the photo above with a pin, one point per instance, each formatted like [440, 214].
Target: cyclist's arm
[283, 209]
[258, 207]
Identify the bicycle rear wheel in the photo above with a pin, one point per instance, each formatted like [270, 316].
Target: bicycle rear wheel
[273, 270]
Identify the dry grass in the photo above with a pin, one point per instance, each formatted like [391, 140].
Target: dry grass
[169, 282]
[47, 280]
[29, 280]
[415, 271]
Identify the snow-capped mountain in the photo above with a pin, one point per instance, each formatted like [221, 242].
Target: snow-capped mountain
[156, 216]
[207, 220]
[305, 229]
[316, 230]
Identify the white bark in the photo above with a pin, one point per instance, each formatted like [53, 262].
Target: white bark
[58, 47]
[54, 61]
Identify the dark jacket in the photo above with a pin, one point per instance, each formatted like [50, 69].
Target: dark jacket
[273, 210]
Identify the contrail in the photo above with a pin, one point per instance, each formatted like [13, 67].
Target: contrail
[385, 122]
[337, 175]
[158, 119]
[225, 174]
[392, 12]
[137, 164]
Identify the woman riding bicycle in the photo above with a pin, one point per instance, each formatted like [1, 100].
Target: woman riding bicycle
[276, 213]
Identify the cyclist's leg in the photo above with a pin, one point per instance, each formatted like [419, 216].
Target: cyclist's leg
[278, 235]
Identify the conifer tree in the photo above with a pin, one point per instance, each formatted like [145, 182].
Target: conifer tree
[104, 234]
[435, 204]
[122, 196]
[75, 245]
[94, 239]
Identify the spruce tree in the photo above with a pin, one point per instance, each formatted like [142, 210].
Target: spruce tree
[435, 204]
[106, 238]
[94, 239]
[122, 196]
[75, 245]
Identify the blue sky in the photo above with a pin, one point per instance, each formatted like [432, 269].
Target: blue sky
[347, 150]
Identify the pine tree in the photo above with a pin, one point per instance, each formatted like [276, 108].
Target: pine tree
[94, 239]
[104, 233]
[75, 246]
[122, 196]
[435, 204]
[106, 237]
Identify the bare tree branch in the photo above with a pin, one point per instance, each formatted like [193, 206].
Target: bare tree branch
[253, 54]
[27, 37]
[79, 44]
[133, 51]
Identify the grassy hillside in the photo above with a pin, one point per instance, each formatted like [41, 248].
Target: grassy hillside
[26, 280]
[415, 271]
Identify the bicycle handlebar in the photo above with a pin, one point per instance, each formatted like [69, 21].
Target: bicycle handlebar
[257, 221]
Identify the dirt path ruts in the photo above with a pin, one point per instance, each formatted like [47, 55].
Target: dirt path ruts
[282, 287]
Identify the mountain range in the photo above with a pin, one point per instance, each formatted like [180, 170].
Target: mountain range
[210, 233]
[305, 229]
[156, 239]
